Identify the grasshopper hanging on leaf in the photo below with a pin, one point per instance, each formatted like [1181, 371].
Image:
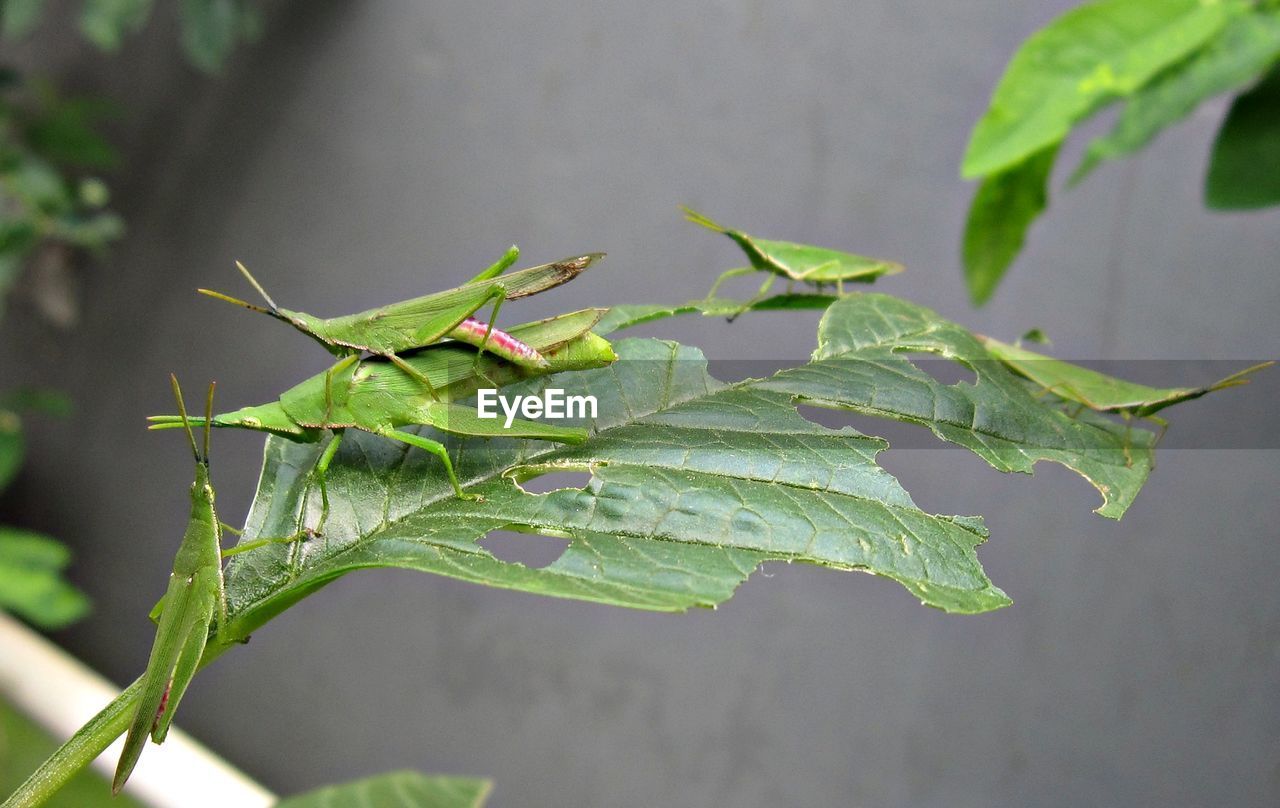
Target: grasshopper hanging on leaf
[795, 262]
[380, 396]
[391, 330]
[1100, 392]
[193, 603]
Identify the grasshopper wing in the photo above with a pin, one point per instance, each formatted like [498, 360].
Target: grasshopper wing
[187, 610]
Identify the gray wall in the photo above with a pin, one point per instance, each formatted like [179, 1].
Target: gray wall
[365, 152]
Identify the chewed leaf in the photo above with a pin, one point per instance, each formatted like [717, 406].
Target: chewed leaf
[695, 482]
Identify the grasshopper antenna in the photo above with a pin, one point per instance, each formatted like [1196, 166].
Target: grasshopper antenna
[186, 422]
[272, 309]
[254, 282]
[698, 218]
[208, 420]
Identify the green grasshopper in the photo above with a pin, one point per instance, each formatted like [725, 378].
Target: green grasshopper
[795, 262]
[381, 396]
[194, 602]
[391, 330]
[1100, 392]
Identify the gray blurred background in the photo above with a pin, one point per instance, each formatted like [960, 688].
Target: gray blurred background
[366, 152]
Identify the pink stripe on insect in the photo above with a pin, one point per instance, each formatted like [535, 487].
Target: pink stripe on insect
[500, 342]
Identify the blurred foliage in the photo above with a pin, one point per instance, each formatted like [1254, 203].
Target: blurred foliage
[211, 29]
[31, 564]
[1163, 60]
[51, 200]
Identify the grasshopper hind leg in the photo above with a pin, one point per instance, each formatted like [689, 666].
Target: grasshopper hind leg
[436, 448]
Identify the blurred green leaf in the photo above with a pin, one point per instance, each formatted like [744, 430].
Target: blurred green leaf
[106, 23]
[39, 186]
[11, 446]
[211, 29]
[1245, 48]
[1002, 210]
[31, 583]
[33, 399]
[1088, 56]
[397, 790]
[92, 232]
[64, 135]
[1244, 170]
[19, 17]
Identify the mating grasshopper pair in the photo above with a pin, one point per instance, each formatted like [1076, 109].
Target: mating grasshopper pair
[391, 330]
[379, 395]
[376, 398]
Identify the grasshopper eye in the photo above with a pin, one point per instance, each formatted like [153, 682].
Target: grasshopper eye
[252, 422]
[208, 492]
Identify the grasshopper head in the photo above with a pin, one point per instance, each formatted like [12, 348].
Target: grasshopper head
[269, 418]
[201, 488]
[308, 324]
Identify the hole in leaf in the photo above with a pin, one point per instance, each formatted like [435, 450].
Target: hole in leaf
[555, 480]
[939, 368]
[900, 434]
[533, 550]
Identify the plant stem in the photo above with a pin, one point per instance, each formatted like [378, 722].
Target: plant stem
[83, 747]
[90, 741]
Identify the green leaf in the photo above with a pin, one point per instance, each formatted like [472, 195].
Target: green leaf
[1245, 48]
[91, 232]
[11, 446]
[64, 134]
[211, 29]
[36, 399]
[1088, 56]
[1003, 209]
[39, 187]
[1244, 171]
[18, 237]
[397, 790]
[106, 23]
[694, 482]
[31, 584]
[19, 17]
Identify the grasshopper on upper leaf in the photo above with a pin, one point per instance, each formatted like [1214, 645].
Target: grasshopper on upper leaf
[391, 330]
[194, 602]
[795, 262]
[380, 396]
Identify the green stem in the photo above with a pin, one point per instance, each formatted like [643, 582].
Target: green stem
[88, 742]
